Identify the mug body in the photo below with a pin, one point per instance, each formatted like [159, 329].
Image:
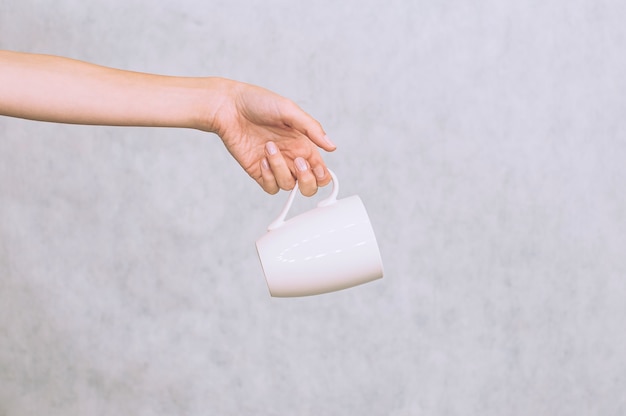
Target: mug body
[323, 250]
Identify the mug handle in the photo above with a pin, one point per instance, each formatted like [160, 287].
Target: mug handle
[323, 203]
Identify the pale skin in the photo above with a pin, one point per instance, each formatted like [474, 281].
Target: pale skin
[273, 139]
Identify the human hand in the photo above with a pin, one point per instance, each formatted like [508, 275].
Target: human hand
[274, 140]
[270, 136]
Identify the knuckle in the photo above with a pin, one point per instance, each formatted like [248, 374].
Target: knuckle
[270, 189]
[287, 185]
[308, 191]
[308, 186]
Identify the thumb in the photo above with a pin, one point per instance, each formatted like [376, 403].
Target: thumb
[299, 120]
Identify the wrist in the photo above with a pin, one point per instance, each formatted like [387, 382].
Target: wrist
[214, 94]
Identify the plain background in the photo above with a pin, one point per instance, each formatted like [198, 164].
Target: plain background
[486, 138]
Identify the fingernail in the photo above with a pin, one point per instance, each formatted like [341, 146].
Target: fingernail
[301, 164]
[271, 148]
[264, 164]
[329, 141]
[319, 172]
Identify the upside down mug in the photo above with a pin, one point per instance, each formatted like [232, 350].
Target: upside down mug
[328, 248]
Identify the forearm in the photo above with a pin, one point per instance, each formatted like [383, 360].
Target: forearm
[50, 88]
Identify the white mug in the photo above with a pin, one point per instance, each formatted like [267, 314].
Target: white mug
[328, 248]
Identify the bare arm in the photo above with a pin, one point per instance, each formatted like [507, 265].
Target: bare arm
[251, 121]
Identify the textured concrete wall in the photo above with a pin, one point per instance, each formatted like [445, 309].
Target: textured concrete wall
[486, 138]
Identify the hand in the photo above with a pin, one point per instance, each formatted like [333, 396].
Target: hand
[272, 138]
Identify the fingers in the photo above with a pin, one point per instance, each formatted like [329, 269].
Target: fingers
[307, 182]
[318, 167]
[268, 182]
[278, 166]
[276, 174]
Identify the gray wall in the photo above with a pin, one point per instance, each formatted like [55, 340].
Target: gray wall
[486, 138]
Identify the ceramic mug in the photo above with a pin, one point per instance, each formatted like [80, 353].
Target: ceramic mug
[328, 248]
